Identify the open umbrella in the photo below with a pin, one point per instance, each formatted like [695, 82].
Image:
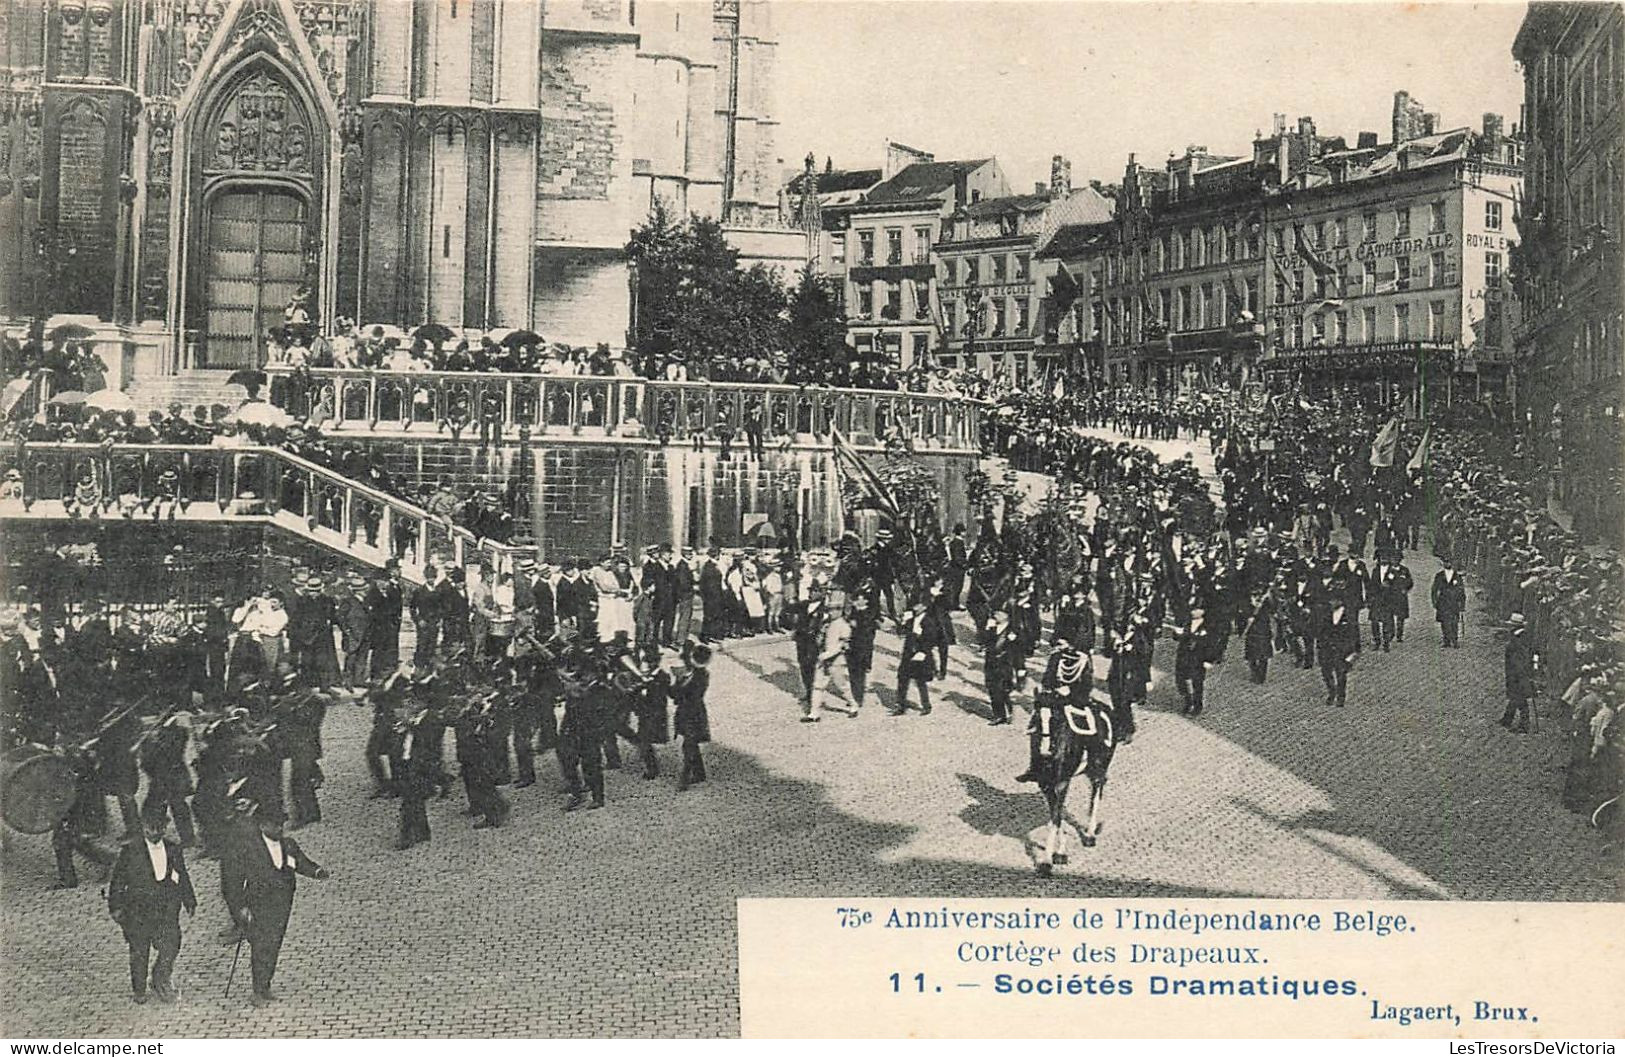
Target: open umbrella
[68, 398]
[110, 400]
[382, 330]
[434, 333]
[70, 332]
[260, 413]
[517, 338]
[247, 377]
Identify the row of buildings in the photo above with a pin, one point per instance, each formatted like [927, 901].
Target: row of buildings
[1308, 260]
[177, 171]
[1570, 339]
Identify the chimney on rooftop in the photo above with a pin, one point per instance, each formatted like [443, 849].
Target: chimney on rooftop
[961, 186]
[1492, 127]
[1431, 123]
[1040, 188]
[1410, 121]
[1368, 141]
[1060, 177]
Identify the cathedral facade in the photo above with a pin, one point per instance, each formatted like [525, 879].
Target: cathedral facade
[183, 169]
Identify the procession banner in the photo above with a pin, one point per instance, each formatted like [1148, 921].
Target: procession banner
[1180, 968]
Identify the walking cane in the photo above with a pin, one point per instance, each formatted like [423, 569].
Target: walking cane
[234, 958]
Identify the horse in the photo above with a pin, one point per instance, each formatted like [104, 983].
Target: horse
[1082, 739]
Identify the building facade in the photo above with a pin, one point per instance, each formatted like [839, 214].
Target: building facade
[1178, 288]
[1309, 263]
[1388, 265]
[183, 169]
[1571, 341]
[886, 247]
[992, 282]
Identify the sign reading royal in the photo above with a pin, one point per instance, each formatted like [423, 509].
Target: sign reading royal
[1367, 251]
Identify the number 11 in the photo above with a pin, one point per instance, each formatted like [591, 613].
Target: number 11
[897, 983]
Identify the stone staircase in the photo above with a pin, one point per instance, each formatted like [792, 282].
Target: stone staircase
[187, 388]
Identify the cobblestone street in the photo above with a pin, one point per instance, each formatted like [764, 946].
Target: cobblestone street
[621, 922]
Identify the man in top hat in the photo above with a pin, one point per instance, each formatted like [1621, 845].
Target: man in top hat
[1338, 643]
[258, 880]
[384, 605]
[145, 893]
[1000, 655]
[914, 666]
[691, 720]
[426, 618]
[1522, 662]
[713, 602]
[1198, 651]
[958, 564]
[1449, 594]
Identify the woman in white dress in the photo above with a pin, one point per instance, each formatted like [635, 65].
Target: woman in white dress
[614, 602]
[751, 589]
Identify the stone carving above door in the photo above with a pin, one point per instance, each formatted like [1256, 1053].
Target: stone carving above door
[260, 127]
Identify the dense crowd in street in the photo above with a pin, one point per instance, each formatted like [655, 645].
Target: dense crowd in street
[604, 662]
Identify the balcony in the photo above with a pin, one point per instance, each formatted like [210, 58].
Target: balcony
[529, 407]
[247, 483]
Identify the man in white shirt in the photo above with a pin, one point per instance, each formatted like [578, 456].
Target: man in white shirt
[258, 882]
[145, 893]
[264, 621]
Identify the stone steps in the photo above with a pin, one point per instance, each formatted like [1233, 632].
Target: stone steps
[188, 388]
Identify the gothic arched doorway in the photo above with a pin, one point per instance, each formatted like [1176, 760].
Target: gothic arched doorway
[255, 228]
[255, 264]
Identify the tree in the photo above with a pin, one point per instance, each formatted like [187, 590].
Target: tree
[696, 305]
[816, 332]
[688, 288]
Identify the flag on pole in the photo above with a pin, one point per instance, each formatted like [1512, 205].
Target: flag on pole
[1314, 259]
[1386, 444]
[1058, 392]
[1420, 459]
[869, 483]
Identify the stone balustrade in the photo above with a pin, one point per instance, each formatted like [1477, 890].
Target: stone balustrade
[590, 407]
[198, 482]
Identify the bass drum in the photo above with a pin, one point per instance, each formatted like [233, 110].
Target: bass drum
[36, 788]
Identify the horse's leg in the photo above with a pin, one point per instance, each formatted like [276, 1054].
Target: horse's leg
[1060, 856]
[1097, 796]
[1048, 858]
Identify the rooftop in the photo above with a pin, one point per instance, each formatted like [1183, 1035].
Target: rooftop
[923, 181]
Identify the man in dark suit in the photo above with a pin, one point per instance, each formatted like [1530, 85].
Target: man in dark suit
[1449, 602]
[145, 893]
[691, 721]
[958, 564]
[258, 879]
[384, 629]
[1000, 647]
[544, 603]
[1349, 579]
[1338, 642]
[216, 635]
[1380, 590]
[425, 606]
[660, 583]
[683, 585]
[1522, 662]
[1198, 651]
[576, 601]
[920, 637]
[712, 605]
